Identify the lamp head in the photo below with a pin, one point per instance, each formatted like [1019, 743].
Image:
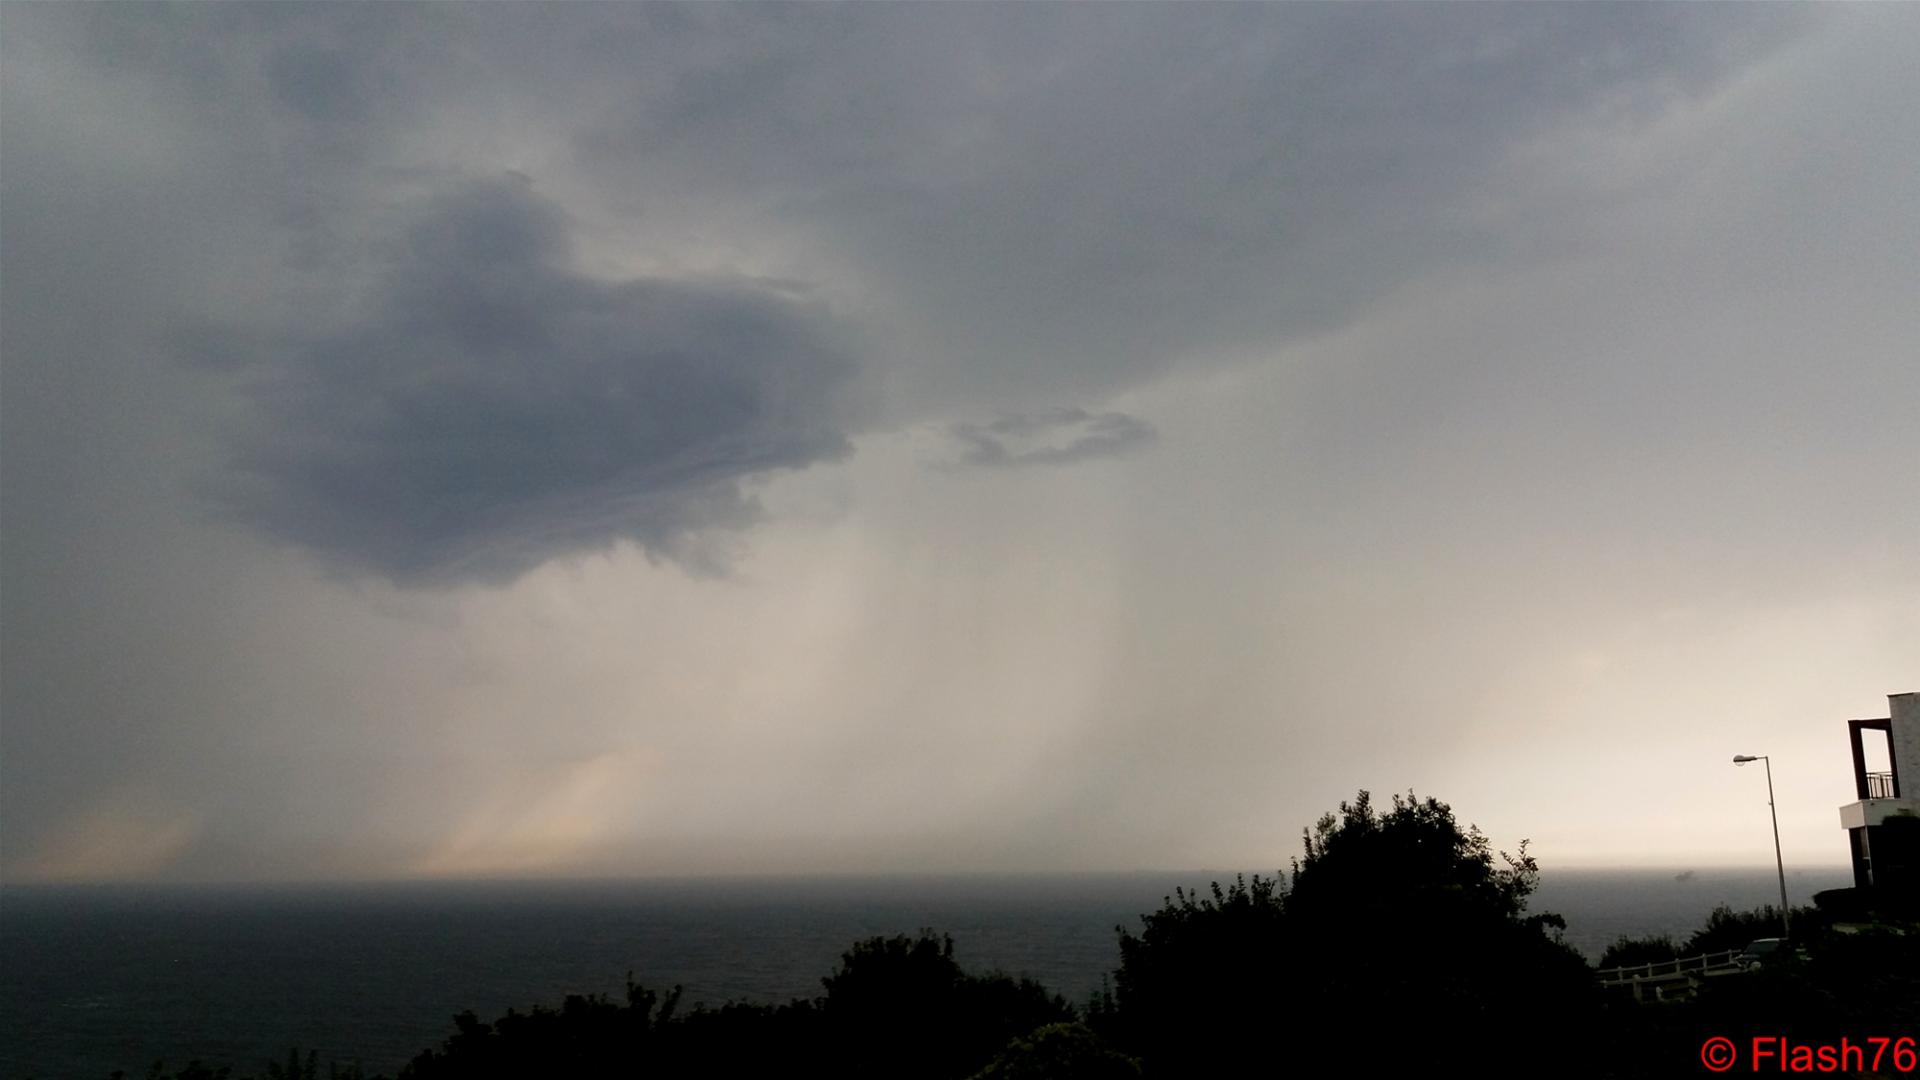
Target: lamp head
[1742, 759]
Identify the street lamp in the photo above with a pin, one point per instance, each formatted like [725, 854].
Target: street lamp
[1742, 759]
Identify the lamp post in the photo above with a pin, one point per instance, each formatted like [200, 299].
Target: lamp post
[1778, 862]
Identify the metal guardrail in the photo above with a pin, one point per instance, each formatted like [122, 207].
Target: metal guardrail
[1668, 969]
[1880, 785]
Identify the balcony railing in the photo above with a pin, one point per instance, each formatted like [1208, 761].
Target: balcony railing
[1880, 785]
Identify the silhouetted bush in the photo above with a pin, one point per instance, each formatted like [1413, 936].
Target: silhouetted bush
[1727, 929]
[894, 1006]
[1862, 905]
[1400, 944]
[1632, 952]
[1060, 1052]
[902, 1006]
[1845, 905]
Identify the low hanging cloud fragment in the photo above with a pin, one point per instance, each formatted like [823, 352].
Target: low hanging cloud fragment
[494, 410]
[1055, 437]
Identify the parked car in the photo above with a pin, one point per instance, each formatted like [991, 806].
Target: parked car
[1768, 952]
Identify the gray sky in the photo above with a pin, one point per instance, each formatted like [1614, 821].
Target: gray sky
[582, 439]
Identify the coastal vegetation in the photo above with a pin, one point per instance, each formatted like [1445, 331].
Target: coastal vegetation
[1399, 942]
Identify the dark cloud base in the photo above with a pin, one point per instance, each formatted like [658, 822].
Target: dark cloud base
[494, 410]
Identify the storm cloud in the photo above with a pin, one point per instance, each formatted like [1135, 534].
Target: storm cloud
[1128, 193]
[447, 439]
[493, 409]
[1058, 437]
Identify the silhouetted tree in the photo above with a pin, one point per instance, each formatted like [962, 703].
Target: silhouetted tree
[1399, 944]
[1412, 925]
[1202, 976]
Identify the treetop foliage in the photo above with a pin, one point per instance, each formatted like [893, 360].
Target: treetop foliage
[1398, 920]
[1366, 863]
[1727, 929]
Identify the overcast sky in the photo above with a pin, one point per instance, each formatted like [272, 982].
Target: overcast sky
[584, 439]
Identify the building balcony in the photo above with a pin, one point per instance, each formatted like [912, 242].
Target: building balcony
[1872, 812]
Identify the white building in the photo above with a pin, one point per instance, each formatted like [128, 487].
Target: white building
[1883, 825]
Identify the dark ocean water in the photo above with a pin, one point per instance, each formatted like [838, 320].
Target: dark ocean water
[98, 978]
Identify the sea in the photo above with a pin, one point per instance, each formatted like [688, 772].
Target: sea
[95, 979]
